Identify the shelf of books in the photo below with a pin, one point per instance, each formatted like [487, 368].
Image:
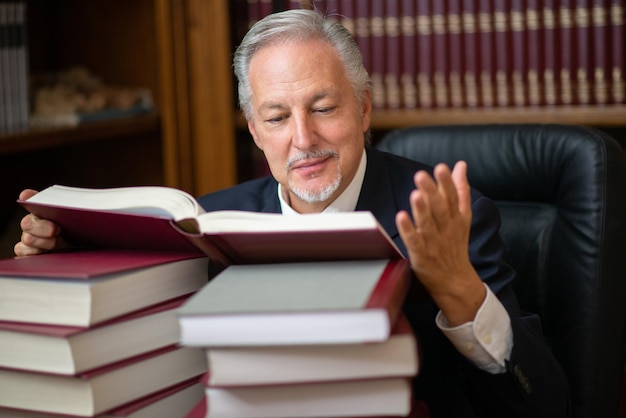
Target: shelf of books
[483, 61]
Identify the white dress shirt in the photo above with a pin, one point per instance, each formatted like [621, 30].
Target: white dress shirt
[487, 341]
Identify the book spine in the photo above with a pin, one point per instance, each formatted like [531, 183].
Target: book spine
[518, 45]
[362, 31]
[486, 53]
[408, 30]
[502, 51]
[618, 92]
[346, 15]
[266, 7]
[600, 41]
[378, 53]
[4, 45]
[470, 54]
[455, 52]
[535, 43]
[22, 103]
[550, 55]
[582, 23]
[567, 45]
[391, 289]
[440, 57]
[393, 59]
[425, 57]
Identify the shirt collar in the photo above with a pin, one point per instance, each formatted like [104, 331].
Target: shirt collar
[345, 202]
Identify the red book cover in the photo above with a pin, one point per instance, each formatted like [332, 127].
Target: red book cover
[503, 53]
[550, 53]
[265, 8]
[455, 52]
[346, 15]
[519, 46]
[486, 53]
[618, 90]
[297, 303]
[408, 30]
[584, 58]
[362, 32]
[535, 46]
[378, 53]
[425, 57]
[393, 98]
[600, 36]
[441, 60]
[567, 70]
[470, 53]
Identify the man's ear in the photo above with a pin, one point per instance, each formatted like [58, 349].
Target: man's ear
[366, 112]
[252, 130]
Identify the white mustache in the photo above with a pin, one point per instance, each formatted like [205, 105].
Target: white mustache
[312, 154]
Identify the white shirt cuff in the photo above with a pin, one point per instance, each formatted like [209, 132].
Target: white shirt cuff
[488, 340]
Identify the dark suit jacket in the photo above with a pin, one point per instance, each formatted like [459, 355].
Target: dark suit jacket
[534, 384]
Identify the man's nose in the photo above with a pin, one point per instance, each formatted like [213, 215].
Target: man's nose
[304, 132]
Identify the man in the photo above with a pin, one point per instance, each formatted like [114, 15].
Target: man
[307, 99]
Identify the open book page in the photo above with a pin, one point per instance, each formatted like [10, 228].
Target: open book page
[158, 201]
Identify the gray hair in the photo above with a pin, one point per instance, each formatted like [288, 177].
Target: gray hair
[298, 24]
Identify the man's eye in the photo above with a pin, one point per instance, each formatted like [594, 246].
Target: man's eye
[275, 119]
[325, 109]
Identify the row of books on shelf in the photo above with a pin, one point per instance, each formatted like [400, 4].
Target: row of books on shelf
[132, 332]
[13, 66]
[482, 53]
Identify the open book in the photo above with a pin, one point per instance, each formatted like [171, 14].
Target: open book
[162, 218]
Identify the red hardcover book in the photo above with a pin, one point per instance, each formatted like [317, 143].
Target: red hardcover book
[378, 53]
[72, 350]
[550, 53]
[503, 53]
[519, 47]
[83, 288]
[362, 31]
[173, 402]
[408, 30]
[534, 50]
[567, 70]
[272, 365]
[441, 64]
[419, 409]
[102, 389]
[265, 8]
[455, 52]
[618, 69]
[486, 53]
[297, 303]
[393, 98]
[346, 15]
[470, 53]
[425, 56]
[600, 41]
[166, 218]
[254, 11]
[584, 58]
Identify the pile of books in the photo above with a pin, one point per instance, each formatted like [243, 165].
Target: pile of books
[89, 333]
[316, 339]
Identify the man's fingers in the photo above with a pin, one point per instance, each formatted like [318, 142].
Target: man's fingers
[27, 193]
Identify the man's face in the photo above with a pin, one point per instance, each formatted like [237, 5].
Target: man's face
[307, 120]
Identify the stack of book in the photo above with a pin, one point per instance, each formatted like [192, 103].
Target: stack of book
[323, 339]
[302, 317]
[94, 333]
[480, 53]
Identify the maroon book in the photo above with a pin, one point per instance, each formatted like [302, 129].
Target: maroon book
[425, 56]
[486, 53]
[600, 41]
[583, 59]
[378, 53]
[618, 68]
[346, 15]
[503, 53]
[408, 31]
[362, 32]
[470, 53]
[441, 60]
[392, 73]
[567, 40]
[549, 76]
[455, 52]
[519, 47]
[534, 50]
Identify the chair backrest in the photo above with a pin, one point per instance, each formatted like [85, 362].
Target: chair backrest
[561, 191]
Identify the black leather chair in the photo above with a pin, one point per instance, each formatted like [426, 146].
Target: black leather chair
[561, 191]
